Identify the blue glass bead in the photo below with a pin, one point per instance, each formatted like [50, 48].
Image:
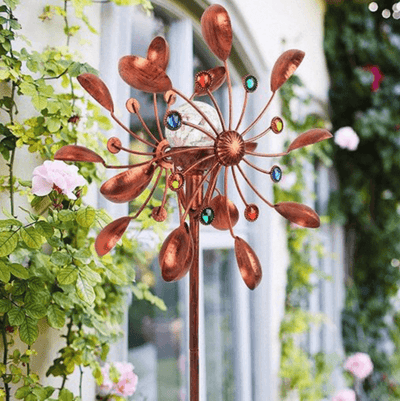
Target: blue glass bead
[207, 216]
[173, 121]
[250, 83]
[276, 173]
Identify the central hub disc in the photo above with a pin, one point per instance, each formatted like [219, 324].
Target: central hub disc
[229, 148]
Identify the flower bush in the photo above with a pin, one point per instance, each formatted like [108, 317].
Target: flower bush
[359, 365]
[347, 138]
[119, 380]
[56, 175]
[345, 395]
[50, 275]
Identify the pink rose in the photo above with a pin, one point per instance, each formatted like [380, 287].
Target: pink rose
[56, 175]
[360, 365]
[345, 395]
[346, 138]
[127, 380]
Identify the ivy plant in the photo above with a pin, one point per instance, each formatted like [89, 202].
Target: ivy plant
[49, 271]
[363, 54]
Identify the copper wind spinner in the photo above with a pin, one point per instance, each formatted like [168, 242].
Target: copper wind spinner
[188, 168]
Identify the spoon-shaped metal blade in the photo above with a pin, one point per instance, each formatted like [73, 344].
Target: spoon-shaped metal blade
[158, 52]
[75, 153]
[218, 76]
[97, 89]
[249, 265]
[126, 186]
[221, 222]
[284, 67]
[217, 31]
[143, 74]
[309, 137]
[176, 254]
[299, 214]
[110, 235]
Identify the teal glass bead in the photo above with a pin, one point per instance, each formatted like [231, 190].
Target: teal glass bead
[207, 216]
[276, 174]
[173, 120]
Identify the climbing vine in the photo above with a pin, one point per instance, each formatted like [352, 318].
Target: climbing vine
[49, 272]
[363, 54]
[301, 372]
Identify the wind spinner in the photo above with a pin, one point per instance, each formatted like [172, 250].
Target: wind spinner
[196, 146]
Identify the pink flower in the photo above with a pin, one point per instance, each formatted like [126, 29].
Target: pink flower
[360, 365]
[56, 175]
[347, 138]
[345, 395]
[127, 380]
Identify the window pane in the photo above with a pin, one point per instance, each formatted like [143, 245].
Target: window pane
[218, 325]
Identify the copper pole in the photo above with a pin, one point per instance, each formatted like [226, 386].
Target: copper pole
[192, 183]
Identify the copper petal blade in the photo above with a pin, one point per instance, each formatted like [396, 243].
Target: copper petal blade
[218, 76]
[250, 146]
[249, 265]
[284, 67]
[217, 31]
[143, 74]
[126, 186]
[220, 221]
[176, 254]
[158, 52]
[309, 137]
[97, 89]
[75, 153]
[299, 214]
[110, 235]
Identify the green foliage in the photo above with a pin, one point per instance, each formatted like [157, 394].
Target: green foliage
[307, 374]
[368, 201]
[49, 270]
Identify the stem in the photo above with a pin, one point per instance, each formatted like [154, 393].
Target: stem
[66, 22]
[5, 344]
[28, 368]
[68, 344]
[80, 381]
[11, 169]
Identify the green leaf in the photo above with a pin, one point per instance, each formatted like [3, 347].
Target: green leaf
[66, 215]
[90, 276]
[63, 300]
[65, 395]
[55, 317]
[5, 305]
[4, 272]
[28, 331]
[22, 392]
[40, 392]
[10, 222]
[44, 229]
[53, 124]
[35, 310]
[67, 275]
[85, 290]
[16, 316]
[61, 258]
[31, 238]
[8, 242]
[86, 216]
[39, 102]
[19, 271]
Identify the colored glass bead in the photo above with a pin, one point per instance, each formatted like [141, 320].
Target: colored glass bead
[276, 173]
[277, 125]
[207, 216]
[175, 181]
[250, 83]
[251, 212]
[173, 120]
[203, 79]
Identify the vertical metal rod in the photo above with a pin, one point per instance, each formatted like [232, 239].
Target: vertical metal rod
[192, 183]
